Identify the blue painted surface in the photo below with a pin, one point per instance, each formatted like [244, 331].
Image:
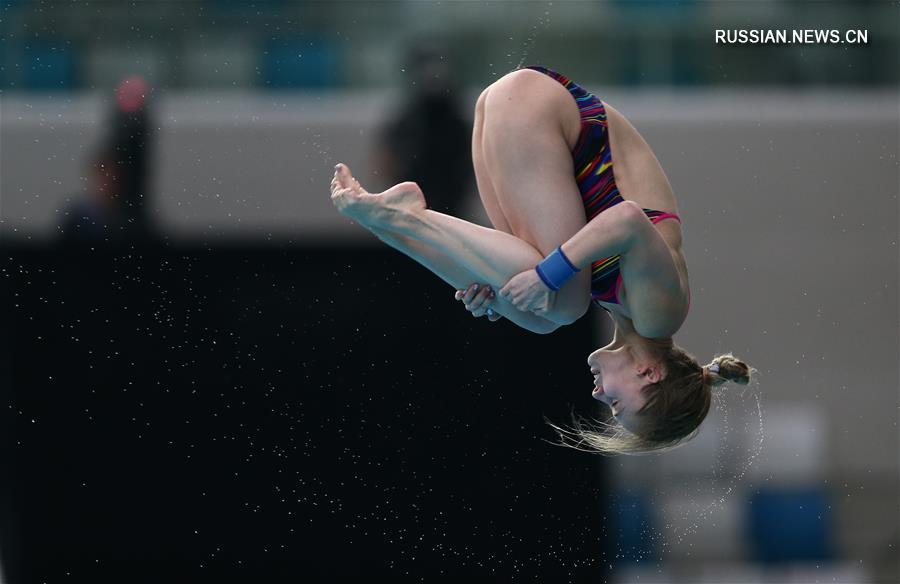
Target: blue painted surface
[787, 525]
[307, 62]
[635, 529]
[49, 65]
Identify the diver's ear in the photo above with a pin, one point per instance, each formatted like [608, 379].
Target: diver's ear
[652, 372]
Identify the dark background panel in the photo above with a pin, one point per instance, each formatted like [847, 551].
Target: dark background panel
[286, 414]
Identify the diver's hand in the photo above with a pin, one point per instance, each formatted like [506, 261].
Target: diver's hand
[528, 293]
[478, 299]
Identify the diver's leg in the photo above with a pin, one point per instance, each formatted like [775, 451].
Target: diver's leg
[452, 272]
[524, 152]
[530, 125]
[483, 179]
[481, 255]
[375, 214]
[492, 257]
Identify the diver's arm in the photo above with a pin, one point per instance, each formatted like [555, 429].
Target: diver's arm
[657, 295]
[612, 232]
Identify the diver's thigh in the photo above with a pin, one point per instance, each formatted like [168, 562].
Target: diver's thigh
[529, 161]
[486, 190]
[527, 157]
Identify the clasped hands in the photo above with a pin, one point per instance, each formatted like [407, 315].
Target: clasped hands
[525, 291]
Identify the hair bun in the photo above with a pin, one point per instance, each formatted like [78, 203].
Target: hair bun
[727, 367]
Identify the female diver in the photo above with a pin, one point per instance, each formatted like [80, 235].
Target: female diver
[567, 230]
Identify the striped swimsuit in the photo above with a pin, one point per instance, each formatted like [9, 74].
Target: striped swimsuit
[594, 175]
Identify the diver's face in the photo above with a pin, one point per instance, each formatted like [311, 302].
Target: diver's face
[618, 381]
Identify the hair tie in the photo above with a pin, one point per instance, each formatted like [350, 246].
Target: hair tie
[706, 369]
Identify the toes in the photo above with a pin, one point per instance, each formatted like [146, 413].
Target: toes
[342, 173]
[339, 181]
[345, 178]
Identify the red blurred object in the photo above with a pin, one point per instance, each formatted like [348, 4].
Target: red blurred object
[131, 93]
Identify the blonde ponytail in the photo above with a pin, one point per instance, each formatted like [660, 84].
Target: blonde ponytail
[727, 367]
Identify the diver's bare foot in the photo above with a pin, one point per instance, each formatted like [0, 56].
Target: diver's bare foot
[386, 209]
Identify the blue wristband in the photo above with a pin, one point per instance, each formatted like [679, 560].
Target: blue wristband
[555, 269]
